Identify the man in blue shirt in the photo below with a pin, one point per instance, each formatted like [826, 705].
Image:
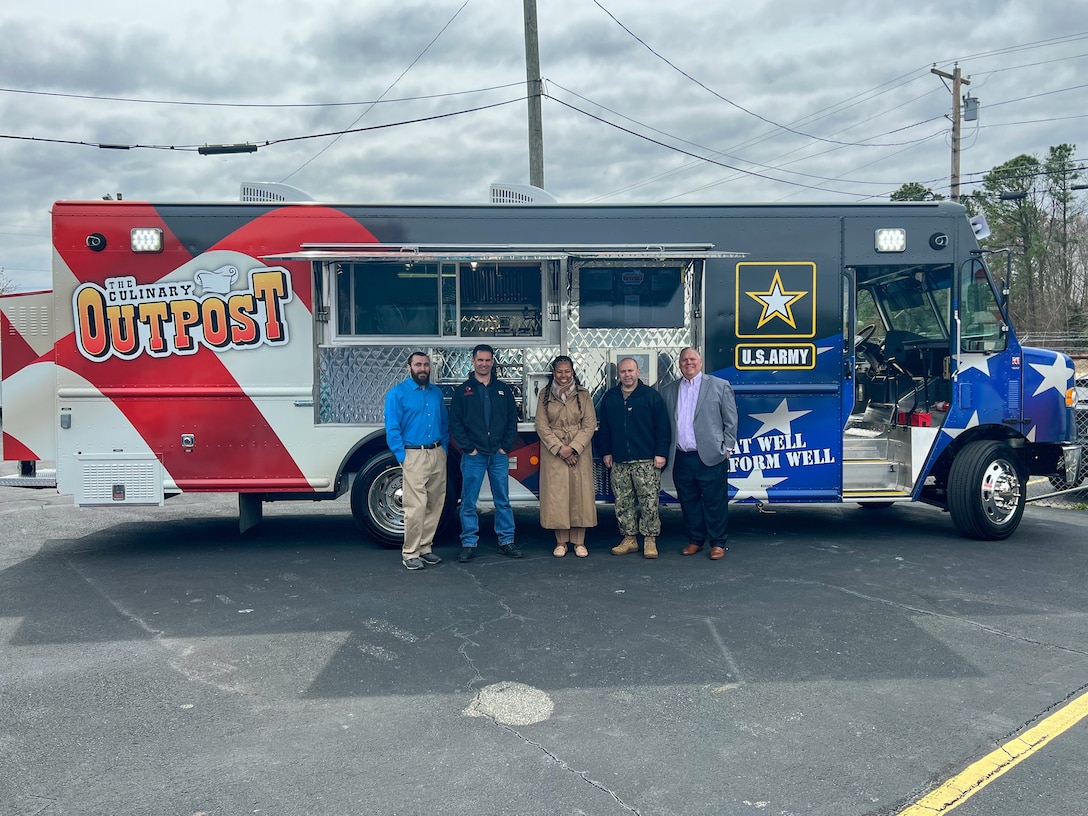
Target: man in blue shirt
[417, 432]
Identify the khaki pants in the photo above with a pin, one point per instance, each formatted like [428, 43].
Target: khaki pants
[424, 496]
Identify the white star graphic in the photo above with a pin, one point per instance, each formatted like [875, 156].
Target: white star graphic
[1055, 376]
[779, 420]
[971, 423]
[753, 486]
[777, 301]
[979, 362]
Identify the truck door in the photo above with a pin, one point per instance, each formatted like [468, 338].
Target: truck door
[988, 365]
[775, 330]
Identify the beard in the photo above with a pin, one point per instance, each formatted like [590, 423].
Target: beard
[422, 377]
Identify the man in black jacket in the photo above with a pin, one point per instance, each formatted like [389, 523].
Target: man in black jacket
[634, 440]
[483, 425]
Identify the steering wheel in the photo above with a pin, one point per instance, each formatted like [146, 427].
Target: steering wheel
[864, 334]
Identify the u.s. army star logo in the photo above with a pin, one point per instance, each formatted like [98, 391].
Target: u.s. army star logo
[776, 302]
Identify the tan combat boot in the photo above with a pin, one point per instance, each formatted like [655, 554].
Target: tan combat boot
[628, 545]
[649, 547]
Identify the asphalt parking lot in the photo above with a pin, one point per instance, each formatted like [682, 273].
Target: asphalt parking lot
[838, 661]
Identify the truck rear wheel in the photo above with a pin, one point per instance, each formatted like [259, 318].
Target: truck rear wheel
[377, 503]
[986, 492]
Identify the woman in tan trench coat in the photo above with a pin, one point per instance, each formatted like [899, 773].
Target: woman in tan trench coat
[565, 422]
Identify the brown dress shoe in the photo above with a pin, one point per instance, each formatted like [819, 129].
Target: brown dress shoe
[717, 553]
[691, 549]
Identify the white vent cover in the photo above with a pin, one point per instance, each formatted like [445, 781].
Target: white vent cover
[119, 478]
[520, 194]
[270, 191]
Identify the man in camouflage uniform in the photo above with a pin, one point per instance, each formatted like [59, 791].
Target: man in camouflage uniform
[634, 439]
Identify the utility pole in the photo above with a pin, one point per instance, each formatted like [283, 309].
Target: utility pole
[957, 82]
[534, 89]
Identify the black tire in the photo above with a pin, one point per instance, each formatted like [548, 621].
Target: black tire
[377, 504]
[986, 491]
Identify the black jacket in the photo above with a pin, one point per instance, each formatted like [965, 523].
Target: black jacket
[467, 427]
[635, 429]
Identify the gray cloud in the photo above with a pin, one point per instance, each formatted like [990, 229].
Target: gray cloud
[851, 76]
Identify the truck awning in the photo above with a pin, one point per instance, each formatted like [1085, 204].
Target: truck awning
[416, 253]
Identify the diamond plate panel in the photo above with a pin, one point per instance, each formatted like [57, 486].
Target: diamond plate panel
[354, 379]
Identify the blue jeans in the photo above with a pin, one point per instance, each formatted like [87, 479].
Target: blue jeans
[497, 468]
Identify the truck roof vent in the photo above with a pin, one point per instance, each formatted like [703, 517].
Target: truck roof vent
[520, 194]
[270, 191]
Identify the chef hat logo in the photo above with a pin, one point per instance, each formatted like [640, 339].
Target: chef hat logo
[216, 281]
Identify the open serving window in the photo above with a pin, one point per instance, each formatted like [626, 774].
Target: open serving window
[418, 298]
[369, 291]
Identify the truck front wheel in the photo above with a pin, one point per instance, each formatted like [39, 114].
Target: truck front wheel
[377, 501]
[986, 491]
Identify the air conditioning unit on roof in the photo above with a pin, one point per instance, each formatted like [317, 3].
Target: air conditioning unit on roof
[263, 192]
[520, 194]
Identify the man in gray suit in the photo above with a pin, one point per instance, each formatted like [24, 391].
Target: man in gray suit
[703, 412]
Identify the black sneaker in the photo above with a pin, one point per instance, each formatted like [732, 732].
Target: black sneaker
[430, 558]
[511, 550]
[412, 563]
[467, 554]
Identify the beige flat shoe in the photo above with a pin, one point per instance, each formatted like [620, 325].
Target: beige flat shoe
[580, 550]
[560, 550]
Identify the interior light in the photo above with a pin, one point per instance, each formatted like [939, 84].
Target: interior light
[146, 239]
[891, 240]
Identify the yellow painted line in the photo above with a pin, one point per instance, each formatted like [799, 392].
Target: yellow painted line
[975, 777]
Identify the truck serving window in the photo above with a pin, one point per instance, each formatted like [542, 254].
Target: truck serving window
[499, 299]
[387, 298]
[631, 297]
[439, 298]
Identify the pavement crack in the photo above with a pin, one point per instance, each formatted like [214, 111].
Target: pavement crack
[564, 765]
[183, 658]
[467, 638]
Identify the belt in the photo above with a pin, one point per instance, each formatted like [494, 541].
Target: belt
[681, 452]
[431, 446]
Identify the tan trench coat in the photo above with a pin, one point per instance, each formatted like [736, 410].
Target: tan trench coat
[566, 493]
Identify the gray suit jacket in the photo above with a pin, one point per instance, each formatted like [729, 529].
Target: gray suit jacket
[715, 418]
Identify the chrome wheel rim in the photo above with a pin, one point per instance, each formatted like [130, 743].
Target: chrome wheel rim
[385, 501]
[1001, 491]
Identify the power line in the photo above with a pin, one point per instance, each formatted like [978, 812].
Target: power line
[268, 142]
[383, 93]
[259, 105]
[726, 155]
[723, 98]
[693, 155]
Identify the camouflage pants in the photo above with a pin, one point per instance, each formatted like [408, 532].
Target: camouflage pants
[642, 481]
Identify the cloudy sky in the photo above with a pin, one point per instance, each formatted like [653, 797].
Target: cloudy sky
[685, 101]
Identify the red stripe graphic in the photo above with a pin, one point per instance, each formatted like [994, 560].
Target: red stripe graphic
[18, 353]
[235, 445]
[16, 451]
